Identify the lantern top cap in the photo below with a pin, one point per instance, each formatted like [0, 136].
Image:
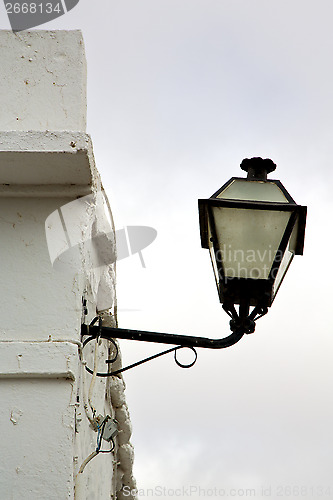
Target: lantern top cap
[257, 168]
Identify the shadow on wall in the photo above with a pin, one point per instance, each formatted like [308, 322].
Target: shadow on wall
[69, 234]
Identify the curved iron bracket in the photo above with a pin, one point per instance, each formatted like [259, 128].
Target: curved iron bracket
[241, 323]
[180, 341]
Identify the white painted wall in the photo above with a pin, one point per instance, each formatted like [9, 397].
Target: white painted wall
[46, 164]
[42, 80]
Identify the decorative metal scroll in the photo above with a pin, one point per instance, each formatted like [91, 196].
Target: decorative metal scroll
[145, 360]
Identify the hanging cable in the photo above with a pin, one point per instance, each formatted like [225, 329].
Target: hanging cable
[87, 410]
[93, 379]
[100, 433]
[87, 460]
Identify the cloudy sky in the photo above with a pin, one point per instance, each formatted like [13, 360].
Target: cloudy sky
[179, 92]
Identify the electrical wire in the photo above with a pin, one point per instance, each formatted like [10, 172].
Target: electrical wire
[78, 485]
[100, 433]
[86, 404]
[87, 460]
[93, 379]
[115, 303]
[98, 450]
[94, 373]
[90, 417]
[111, 449]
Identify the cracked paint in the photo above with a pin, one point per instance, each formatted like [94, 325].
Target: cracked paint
[15, 416]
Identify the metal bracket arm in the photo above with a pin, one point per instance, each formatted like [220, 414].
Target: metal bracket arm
[240, 324]
[161, 338]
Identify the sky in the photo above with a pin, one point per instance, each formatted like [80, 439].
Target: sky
[179, 92]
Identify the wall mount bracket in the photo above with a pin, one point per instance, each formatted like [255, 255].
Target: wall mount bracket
[240, 324]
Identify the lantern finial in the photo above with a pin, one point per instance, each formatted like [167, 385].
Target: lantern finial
[257, 168]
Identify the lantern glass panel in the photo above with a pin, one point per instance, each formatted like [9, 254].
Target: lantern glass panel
[212, 256]
[248, 240]
[240, 189]
[286, 259]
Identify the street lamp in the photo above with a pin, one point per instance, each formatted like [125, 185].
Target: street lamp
[252, 228]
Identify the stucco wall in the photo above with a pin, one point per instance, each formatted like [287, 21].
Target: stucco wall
[42, 80]
[55, 229]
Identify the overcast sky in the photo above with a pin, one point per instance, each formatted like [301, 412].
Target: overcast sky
[179, 92]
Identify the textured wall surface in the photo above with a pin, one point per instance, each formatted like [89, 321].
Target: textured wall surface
[42, 81]
[58, 269]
